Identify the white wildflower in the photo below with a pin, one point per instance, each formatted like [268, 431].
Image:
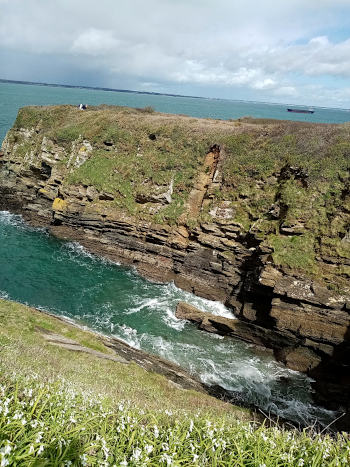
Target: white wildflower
[6, 449]
[18, 416]
[148, 448]
[166, 458]
[156, 431]
[136, 454]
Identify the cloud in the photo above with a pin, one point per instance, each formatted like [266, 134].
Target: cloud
[286, 91]
[95, 42]
[265, 49]
[318, 57]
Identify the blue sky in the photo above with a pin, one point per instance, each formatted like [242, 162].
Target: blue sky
[289, 51]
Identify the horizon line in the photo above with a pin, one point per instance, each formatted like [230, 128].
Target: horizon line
[132, 91]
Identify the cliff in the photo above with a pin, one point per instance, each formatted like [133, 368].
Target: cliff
[252, 213]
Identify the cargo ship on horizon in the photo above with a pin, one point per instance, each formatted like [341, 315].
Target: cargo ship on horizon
[301, 111]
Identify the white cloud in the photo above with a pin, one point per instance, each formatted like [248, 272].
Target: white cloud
[266, 83]
[255, 45]
[286, 91]
[95, 42]
[318, 57]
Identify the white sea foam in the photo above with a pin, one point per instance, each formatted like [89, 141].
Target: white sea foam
[128, 335]
[76, 250]
[210, 306]
[165, 304]
[148, 322]
[7, 218]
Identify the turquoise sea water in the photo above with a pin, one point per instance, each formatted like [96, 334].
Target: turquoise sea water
[14, 96]
[63, 278]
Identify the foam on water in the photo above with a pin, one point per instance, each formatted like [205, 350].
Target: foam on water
[128, 335]
[67, 280]
[9, 219]
[75, 251]
[262, 382]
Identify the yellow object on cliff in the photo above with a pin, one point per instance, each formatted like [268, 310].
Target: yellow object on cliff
[59, 204]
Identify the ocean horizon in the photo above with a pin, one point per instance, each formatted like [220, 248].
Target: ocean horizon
[156, 93]
[16, 94]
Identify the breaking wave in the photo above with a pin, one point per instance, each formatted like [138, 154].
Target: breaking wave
[67, 280]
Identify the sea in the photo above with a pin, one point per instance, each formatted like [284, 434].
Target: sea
[13, 96]
[62, 277]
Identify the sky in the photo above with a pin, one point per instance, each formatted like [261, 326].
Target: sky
[289, 51]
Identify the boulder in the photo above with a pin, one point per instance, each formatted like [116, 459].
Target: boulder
[233, 327]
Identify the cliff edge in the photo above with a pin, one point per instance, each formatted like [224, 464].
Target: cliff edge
[254, 213]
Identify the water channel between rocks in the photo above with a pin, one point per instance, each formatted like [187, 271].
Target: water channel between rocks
[63, 278]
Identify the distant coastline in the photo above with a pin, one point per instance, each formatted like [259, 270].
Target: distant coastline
[195, 106]
[154, 93]
[34, 83]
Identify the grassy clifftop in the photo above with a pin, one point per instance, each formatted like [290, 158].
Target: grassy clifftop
[285, 183]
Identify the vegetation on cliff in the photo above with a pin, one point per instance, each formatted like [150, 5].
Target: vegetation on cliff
[285, 183]
[52, 411]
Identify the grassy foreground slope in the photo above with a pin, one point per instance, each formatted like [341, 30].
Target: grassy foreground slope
[58, 407]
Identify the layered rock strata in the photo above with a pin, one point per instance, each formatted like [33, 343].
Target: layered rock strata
[296, 315]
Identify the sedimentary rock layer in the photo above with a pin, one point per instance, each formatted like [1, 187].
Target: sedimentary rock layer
[283, 270]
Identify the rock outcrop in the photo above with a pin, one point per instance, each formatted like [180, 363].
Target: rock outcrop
[248, 332]
[264, 236]
[124, 353]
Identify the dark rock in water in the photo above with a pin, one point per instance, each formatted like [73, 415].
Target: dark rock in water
[299, 358]
[223, 326]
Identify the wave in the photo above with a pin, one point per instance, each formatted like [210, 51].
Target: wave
[3, 295]
[267, 385]
[75, 250]
[16, 220]
[117, 301]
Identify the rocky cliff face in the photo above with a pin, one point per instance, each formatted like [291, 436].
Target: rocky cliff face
[254, 214]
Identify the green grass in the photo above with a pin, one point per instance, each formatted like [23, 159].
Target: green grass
[52, 424]
[25, 351]
[59, 408]
[254, 152]
[297, 252]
